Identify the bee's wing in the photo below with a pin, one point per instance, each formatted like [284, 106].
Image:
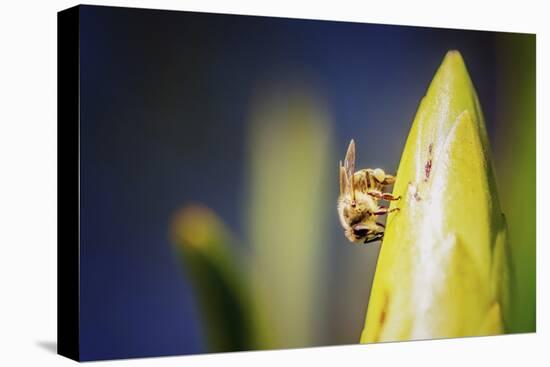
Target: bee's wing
[343, 179]
[349, 166]
[349, 161]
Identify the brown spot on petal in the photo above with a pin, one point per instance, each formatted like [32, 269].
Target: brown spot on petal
[413, 192]
[428, 165]
[427, 169]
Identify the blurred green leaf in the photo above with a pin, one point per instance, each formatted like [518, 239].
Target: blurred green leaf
[516, 167]
[443, 266]
[204, 247]
[289, 149]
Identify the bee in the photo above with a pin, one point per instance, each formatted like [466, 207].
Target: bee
[358, 203]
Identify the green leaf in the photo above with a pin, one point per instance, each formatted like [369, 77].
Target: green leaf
[443, 266]
[289, 146]
[516, 167]
[204, 247]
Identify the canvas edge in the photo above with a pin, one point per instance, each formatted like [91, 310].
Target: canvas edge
[68, 183]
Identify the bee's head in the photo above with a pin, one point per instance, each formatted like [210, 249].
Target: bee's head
[355, 211]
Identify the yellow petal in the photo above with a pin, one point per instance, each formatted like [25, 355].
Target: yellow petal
[436, 275]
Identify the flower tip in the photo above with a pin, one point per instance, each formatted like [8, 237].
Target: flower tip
[453, 56]
[195, 226]
[453, 61]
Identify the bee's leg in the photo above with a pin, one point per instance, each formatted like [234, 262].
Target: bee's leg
[383, 210]
[378, 237]
[374, 183]
[382, 195]
[368, 179]
[388, 180]
[380, 224]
